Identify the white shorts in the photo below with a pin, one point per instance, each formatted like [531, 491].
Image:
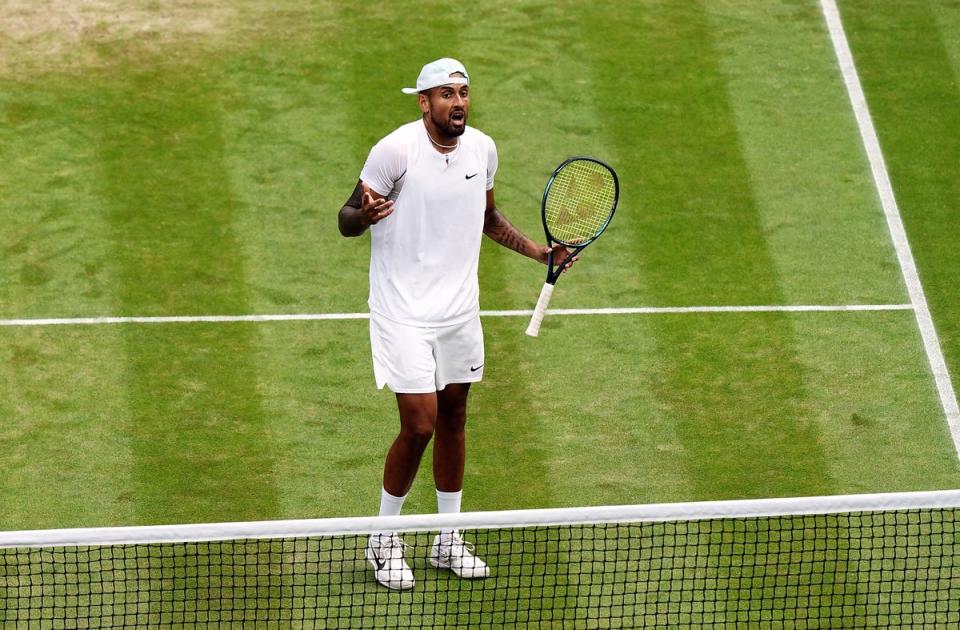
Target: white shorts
[420, 360]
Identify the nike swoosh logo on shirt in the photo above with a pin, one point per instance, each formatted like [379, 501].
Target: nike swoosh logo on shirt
[470, 176]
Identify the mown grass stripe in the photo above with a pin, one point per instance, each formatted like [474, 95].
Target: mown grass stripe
[168, 200]
[817, 210]
[931, 342]
[66, 456]
[702, 233]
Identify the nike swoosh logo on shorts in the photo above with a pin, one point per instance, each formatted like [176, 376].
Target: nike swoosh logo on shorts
[470, 176]
[474, 369]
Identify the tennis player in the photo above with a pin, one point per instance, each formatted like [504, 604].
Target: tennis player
[426, 195]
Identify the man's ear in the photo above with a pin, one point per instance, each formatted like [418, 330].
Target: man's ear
[424, 100]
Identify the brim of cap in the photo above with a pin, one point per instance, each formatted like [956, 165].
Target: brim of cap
[409, 90]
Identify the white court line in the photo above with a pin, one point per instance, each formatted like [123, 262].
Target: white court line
[189, 319]
[881, 178]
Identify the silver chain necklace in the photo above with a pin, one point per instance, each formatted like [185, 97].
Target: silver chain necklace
[442, 146]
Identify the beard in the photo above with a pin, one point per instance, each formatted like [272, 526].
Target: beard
[448, 126]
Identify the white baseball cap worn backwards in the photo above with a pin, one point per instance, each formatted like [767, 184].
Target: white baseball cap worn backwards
[438, 73]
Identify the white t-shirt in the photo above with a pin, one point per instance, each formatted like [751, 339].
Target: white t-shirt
[424, 256]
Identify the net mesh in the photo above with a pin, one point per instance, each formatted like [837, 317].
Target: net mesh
[859, 569]
[579, 202]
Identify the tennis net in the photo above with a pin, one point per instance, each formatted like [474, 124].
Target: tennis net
[858, 561]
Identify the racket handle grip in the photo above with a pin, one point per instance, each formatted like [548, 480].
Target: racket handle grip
[534, 328]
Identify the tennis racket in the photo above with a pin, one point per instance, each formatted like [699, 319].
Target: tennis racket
[577, 206]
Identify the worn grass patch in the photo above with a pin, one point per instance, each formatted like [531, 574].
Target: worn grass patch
[49, 36]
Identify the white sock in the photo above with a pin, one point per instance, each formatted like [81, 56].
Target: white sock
[390, 506]
[448, 503]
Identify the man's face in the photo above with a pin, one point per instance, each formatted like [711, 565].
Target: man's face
[447, 106]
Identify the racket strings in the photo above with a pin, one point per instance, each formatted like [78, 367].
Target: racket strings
[580, 202]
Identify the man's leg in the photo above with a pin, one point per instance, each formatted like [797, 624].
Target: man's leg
[449, 446]
[418, 415]
[449, 551]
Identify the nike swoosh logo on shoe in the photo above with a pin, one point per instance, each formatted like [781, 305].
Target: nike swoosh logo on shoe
[377, 561]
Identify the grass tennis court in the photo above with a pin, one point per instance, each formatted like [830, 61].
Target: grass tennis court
[176, 158]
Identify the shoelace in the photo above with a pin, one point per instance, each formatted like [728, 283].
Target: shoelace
[392, 543]
[457, 545]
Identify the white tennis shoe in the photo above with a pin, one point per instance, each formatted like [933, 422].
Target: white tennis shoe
[385, 553]
[449, 551]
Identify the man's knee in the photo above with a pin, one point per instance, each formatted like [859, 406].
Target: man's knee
[452, 420]
[418, 418]
[452, 408]
[417, 424]
[416, 432]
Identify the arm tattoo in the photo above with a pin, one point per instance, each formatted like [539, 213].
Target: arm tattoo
[502, 231]
[348, 219]
[355, 200]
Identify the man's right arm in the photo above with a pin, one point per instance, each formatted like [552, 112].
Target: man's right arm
[364, 208]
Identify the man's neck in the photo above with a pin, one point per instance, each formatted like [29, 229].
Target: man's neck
[440, 142]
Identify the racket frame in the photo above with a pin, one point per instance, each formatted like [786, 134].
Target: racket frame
[553, 272]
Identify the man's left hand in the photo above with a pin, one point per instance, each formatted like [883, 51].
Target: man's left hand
[560, 254]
